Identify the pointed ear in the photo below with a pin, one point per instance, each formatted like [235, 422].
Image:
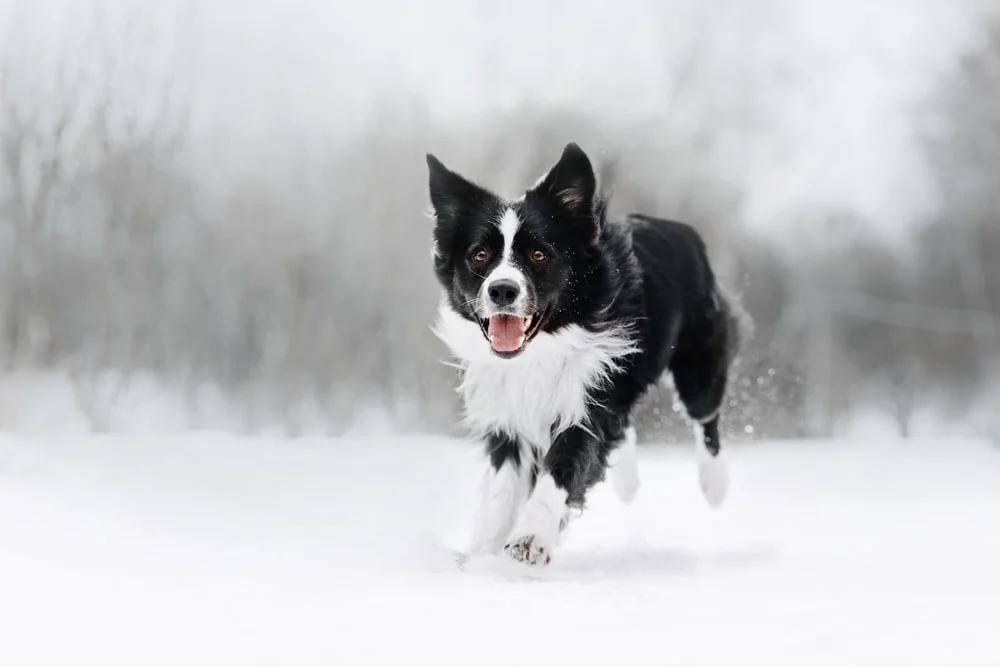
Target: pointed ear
[451, 194]
[571, 182]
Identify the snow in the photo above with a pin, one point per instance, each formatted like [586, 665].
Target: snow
[216, 549]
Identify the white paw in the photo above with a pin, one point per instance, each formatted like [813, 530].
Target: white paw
[713, 477]
[623, 468]
[565, 523]
[529, 550]
[538, 527]
[625, 482]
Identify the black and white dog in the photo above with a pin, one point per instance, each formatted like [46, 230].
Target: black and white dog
[560, 319]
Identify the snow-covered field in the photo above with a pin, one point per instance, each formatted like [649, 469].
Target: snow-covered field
[213, 549]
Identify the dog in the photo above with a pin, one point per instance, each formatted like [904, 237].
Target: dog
[560, 319]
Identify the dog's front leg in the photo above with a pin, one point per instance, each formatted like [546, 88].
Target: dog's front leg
[572, 465]
[502, 492]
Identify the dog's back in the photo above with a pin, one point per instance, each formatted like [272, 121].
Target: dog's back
[673, 257]
[682, 294]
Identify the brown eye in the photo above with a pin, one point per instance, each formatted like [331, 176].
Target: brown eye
[480, 256]
[538, 256]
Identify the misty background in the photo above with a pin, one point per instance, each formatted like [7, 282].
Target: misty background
[213, 214]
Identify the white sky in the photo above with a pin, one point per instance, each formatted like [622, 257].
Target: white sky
[832, 85]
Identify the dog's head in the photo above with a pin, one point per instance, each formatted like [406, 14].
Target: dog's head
[516, 268]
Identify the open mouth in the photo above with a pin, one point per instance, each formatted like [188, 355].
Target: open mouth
[509, 334]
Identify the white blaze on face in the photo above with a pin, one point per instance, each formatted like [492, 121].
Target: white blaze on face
[508, 223]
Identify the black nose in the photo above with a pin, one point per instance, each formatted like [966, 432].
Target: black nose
[504, 292]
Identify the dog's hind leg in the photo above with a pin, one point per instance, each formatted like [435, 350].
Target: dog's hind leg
[700, 369]
[713, 472]
[623, 467]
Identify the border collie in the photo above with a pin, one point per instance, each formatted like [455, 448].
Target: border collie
[561, 318]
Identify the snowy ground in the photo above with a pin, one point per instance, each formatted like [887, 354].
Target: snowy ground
[210, 549]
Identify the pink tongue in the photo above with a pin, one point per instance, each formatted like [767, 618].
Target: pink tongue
[506, 332]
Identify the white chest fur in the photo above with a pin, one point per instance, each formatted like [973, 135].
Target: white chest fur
[547, 386]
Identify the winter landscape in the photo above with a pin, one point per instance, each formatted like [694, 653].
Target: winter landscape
[214, 549]
[228, 435]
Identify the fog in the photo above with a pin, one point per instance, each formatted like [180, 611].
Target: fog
[220, 208]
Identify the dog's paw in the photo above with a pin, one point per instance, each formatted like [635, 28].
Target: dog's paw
[625, 480]
[623, 469]
[529, 550]
[713, 477]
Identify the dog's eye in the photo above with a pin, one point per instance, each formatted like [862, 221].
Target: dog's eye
[538, 256]
[480, 256]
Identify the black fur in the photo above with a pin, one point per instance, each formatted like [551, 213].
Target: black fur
[683, 325]
[650, 275]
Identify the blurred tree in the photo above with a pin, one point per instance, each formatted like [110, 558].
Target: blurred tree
[958, 249]
[89, 180]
